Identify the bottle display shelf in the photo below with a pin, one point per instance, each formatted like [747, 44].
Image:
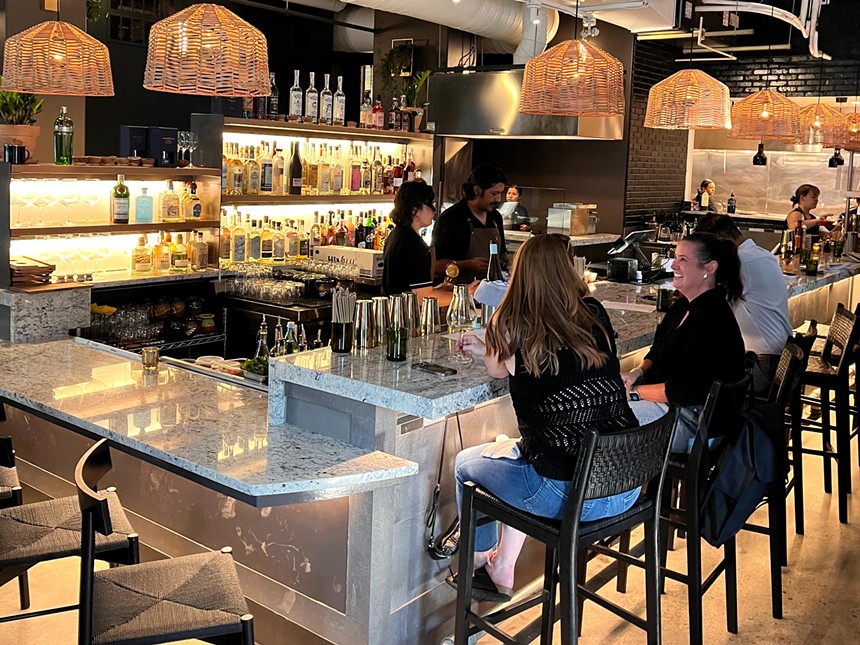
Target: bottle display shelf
[292, 129]
[297, 200]
[115, 229]
[132, 173]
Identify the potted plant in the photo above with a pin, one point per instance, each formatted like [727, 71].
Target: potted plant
[18, 119]
[396, 64]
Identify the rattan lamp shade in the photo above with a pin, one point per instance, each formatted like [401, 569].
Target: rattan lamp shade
[574, 78]
[56, 57]
[688, 100]
[766, 116]
[852, 132]
[207, 50]
[822, 124]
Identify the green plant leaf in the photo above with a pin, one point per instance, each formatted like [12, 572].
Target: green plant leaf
[18, 108]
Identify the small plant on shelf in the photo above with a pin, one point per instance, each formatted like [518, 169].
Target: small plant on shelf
[396, 64]
[18, 108]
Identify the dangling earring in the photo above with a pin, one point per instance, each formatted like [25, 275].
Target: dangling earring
[705, 277]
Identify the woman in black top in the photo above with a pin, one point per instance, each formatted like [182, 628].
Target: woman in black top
[697, 342]
[556, 347]
[407, 259]
[707, 186]
[805, 198]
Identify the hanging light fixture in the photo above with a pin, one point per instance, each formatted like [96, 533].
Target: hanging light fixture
[574, 78]
[852, 132]
[55, 57]
[207, 50]
[688, 100]
[821, 123]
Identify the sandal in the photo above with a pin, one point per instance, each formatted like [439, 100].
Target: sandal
[483, 587]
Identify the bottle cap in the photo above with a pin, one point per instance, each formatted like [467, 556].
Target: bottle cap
[494, 248]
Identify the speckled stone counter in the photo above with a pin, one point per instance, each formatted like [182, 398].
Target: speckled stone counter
[189, 423]
[41, 316]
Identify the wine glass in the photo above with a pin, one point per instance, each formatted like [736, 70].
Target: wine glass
[91, 196]
[69, 196]
[28, 195]
[99, 249]
[17, 199]
[461, 318]
[192, 142]
[181, 145]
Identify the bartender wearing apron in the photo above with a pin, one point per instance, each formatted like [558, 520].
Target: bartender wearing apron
[463, 232]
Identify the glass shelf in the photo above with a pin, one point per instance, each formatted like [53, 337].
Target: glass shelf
[298, 200]
[132, 173]
[118, 229]
[286, 128]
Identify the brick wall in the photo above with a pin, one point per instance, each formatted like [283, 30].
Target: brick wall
[656, 159]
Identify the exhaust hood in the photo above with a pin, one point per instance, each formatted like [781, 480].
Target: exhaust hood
[482, 105]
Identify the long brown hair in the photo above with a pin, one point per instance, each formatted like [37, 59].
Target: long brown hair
[543, 310]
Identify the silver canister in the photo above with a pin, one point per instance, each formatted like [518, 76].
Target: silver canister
[411, 313]
[380, 317]
[365, 325]
[487, 312]
[431, 318]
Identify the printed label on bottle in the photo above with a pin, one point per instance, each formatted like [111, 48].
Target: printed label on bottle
[239, 249]
[297, 182]
[339, 109]
[266, 178]
[278, 249]
[355, 180]
[255, 248]
[163, 263]
[143, 265]
[180, 261]
[312, 107]
[225, 247]
[120, 209]
[296, 104]
[326, 110]
[196, 211]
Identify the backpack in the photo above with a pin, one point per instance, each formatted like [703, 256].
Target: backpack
[748, 465]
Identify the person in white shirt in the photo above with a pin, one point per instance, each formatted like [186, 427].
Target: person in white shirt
[762, 312]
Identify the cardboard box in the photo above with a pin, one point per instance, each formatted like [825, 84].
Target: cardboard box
[368, 261]
[161, 146]
[132, 141]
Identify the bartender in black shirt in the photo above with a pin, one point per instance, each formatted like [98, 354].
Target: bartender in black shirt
[407, 260]
[463, 233]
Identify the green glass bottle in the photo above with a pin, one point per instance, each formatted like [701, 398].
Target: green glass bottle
[64, 138]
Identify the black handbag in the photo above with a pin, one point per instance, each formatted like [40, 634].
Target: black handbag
[443, 546]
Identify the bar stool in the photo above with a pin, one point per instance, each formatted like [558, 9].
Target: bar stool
[722, 410]
[195, 596]
[830, 372]
[607, 464]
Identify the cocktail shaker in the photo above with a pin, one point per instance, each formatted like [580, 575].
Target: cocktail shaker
[380, 317]
[411, 313]
[431, 319]
[397, 335]
[365, 325]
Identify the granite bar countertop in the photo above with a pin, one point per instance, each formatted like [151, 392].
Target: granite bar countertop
[212, 432]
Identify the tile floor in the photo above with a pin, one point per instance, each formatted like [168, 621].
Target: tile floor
[821, 589]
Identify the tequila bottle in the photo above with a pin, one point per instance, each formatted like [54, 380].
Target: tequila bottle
[326, 102]
[296, 98]
[339, 114]
[312, 96]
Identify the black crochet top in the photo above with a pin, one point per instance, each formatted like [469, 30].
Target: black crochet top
[554, 412]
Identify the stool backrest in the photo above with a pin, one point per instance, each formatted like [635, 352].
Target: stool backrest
[788, 374]
[843, 335]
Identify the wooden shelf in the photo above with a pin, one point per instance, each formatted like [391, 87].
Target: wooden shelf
[51, 171]
[290, 129]
[118, 229]
[298, 200]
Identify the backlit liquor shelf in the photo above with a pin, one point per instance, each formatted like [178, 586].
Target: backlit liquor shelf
[288, 128]
[117, 229]
[297, 200]
[144, 173]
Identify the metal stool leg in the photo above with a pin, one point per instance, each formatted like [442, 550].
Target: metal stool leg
[843, 453]
[24, 590]
[797, 464]
[731, 574]
[825, 437]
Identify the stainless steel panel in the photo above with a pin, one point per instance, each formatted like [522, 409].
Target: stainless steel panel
[486, 104]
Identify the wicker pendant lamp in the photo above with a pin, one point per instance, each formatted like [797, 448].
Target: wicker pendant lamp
[55, 57]
[825, 124]
[766, 115]
[688, 100]
[852, 132]
[207, 50]
[574, 78]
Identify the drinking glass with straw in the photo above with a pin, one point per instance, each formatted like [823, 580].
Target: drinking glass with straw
[342, 312]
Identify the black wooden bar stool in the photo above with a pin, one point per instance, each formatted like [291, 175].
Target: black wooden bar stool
[607, 464]
[830, 373]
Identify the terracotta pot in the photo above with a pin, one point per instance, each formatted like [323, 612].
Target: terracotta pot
[27, 135]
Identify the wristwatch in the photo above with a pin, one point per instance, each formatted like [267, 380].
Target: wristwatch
[452, 270]
[634, 395]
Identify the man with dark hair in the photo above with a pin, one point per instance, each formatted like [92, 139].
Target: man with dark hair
[463, 232]
[762, 311]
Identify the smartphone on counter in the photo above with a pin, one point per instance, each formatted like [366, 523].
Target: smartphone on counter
[433, 368]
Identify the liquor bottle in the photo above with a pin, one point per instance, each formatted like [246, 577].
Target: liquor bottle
[262, 349]
[355, 172]
[119, 202]
[169, 201]
[267, 242]
[239, 249]
[366, 177]
[254, 243]
[324, 172]
[295, 176]
[366, 111]
[494, 271]
[406, 116]
[248, 107]
[397, 172]
[760, 158]
[64, 137]
[278, 244]
[161, 256]
[261, 107]
[235, 171]
[787, 246]
[388, 177]
[200, 252]
[312, 107]
[350, 230]
[296, 98]
[409, 175]
[251, 176]
[341, 233]
[378, 114]
[290, 340]
[339, 112]
[225, 239]
[310, 183]
[179, 256]
[326, 102]
[266, 170]
[316, 235]
[278, 347]
[225, 160]
[377, 175]
[278, 165]
[394, 119]
[303, 340]
[337, 172]
[304, 242]
[272, 104]
[193, 205]
[143, 208]
[141, 258]
[704, 200]
[732, 204]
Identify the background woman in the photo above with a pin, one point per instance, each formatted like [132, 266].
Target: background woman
[707, 187]
[556, 347]
[407, 259]
[520, 216]
[698, 340]
[805, 198]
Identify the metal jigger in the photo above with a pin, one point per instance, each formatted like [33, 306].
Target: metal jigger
[365, 325]
[411, 314]
[431, 319]
[381, 317]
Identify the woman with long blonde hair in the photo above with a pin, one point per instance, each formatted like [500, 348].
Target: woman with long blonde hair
[555, 345]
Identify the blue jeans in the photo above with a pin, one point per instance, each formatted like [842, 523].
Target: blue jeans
[685, 426]
[517, 483]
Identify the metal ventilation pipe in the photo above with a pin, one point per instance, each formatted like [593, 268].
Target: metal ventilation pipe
[354, 40]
